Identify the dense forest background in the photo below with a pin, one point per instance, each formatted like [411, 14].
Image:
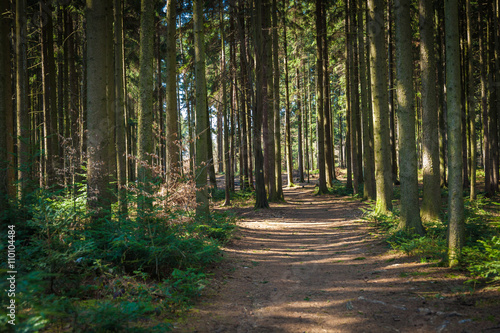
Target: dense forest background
[118, 117]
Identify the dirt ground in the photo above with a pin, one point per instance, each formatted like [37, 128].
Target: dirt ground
[313, 265]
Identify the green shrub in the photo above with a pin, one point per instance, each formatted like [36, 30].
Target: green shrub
[484, 261]
[107, 275]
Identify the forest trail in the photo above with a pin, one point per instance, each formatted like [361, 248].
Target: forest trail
[312, 265]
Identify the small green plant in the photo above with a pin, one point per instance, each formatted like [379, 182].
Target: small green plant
[486, 262]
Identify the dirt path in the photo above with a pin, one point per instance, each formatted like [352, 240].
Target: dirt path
[311, 265]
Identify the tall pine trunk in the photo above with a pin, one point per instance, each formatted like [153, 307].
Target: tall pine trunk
[6, 125]
[173, 158]
[260, 95]
[319, 99]
[455, 188]
[100, 140]
[202, 122]
[378, 67]
[368, 166]
[431, 204]
[22, 115]
[288, 136]
[120, 111]
[276, 106]
[145, 112]
[471, 105]
[410, 215]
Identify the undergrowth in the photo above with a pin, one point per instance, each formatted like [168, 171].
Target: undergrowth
[481, 251]
[114, 274]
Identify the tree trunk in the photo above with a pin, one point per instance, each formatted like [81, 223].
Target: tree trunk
[348, 78]
[22, 115]
[369, 172]
[49, 91]
[431, 203]
[329, 151]
[319, 99]
[99, 125]
[6, 125]
[483, 49]
[269, 135]
[121, 134]
[260, 95]
[354, 97]
[288, 136]
[471, 106]
[378, 66]
[455, 188]
[222, 103]
[145, 116]
[202, 122]
[225, 155]
[173, 158]
[441, 102]
[392, 116]
[410, 215]
[305, 123]
[299, 125]
[276, 107]
[493, 114]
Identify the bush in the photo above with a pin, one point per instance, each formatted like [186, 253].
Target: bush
[108, 275]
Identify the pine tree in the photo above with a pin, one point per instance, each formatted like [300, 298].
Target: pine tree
[173, 159]
[453, 87]
[410, 215]
[431, 203]
[378, 68]
[202, 126]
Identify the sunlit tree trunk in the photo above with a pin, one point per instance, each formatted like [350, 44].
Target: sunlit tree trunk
[368, 166]
[276, 106]
[378, 66]
[455, 198]
[410, 215]
[431, 203]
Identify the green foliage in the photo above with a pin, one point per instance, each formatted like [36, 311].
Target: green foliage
[107, 274]
[484, 259]
[481, 253]
[238, 196]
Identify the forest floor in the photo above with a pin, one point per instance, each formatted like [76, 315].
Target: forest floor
[311, 264]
